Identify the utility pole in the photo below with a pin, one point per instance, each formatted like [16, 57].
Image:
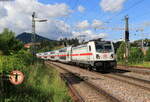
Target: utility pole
[33, 32]
[126, 39]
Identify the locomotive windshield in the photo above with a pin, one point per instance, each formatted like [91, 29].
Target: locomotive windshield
[103, 47]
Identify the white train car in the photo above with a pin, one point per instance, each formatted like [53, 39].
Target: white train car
[65, 55]
[41, 55]
[94, 54]
[54, 55]
[45, 55]
[38, 55]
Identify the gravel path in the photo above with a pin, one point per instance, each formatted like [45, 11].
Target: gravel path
[121, 90]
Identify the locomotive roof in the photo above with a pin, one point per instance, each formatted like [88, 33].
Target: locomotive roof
[96, 41]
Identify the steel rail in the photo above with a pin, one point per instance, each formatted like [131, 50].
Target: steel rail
[100, 90]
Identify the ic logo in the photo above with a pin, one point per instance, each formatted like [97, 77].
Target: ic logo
[105, 55]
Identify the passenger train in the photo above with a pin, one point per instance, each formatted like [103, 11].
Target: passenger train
[95, 54]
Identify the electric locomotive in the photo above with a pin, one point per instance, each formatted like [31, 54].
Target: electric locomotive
[96, 54]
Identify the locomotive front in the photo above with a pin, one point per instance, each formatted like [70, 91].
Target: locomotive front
[104, 55]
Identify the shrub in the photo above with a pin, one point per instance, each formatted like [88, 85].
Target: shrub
[147, 56]
[15, 62]
[136, 55]
[8, 43]
[120, 52]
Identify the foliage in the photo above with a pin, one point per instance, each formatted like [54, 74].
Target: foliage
[121, 52]
[117, 45]
[53, 45]
[42, 84]
[136, 55]
[16, 61]
[138, 43]
[8, 42]
[65, 41]
[147, 56]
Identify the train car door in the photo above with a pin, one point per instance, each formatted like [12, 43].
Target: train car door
[89, 51]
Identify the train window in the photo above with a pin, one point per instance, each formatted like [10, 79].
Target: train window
[63, 50]
[108, 48]
[103, 48]
[99, 48]
[52, 52]
[89, 48]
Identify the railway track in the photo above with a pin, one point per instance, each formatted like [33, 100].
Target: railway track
[139, 70]
[143, 84]
[137, 67]
[95, 94]
[109, 82]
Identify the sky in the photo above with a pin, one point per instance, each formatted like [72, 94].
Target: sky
[82, 19]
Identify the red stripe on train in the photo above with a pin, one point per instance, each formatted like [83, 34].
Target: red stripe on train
[85, 54]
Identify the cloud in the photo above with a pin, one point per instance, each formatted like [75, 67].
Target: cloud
[83, 25]
[89, 35]
[3, 12]
[81, 9]
[16, 16]
[96, 23]
[146, 24]
[56, 29]
[112, 5]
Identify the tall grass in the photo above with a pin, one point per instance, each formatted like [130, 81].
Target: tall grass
[41, 84]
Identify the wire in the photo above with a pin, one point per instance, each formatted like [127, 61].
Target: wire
[66, 19]
[132, 6]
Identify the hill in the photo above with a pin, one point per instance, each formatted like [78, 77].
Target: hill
[27, 38]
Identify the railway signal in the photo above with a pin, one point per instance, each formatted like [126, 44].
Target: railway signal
[33, 31]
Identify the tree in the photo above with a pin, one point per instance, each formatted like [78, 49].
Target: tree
[121, 52]
[147, 56]
[8, 43]
[136, 55]
[117, 45]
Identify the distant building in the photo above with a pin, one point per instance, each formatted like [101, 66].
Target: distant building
[28, 45]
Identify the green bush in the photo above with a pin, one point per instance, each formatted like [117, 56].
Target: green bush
[15, 62]
[8, 43]
[120, 52]
[136, 55]
[147, 56]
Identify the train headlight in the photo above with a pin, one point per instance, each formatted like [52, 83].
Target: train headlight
[97, 56]
[112, 55]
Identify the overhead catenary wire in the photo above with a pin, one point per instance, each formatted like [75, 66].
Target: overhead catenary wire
[69, 33]
[127, 9]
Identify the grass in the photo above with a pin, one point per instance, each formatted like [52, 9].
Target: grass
[49, 82]
[142, 64]
[41, 84]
